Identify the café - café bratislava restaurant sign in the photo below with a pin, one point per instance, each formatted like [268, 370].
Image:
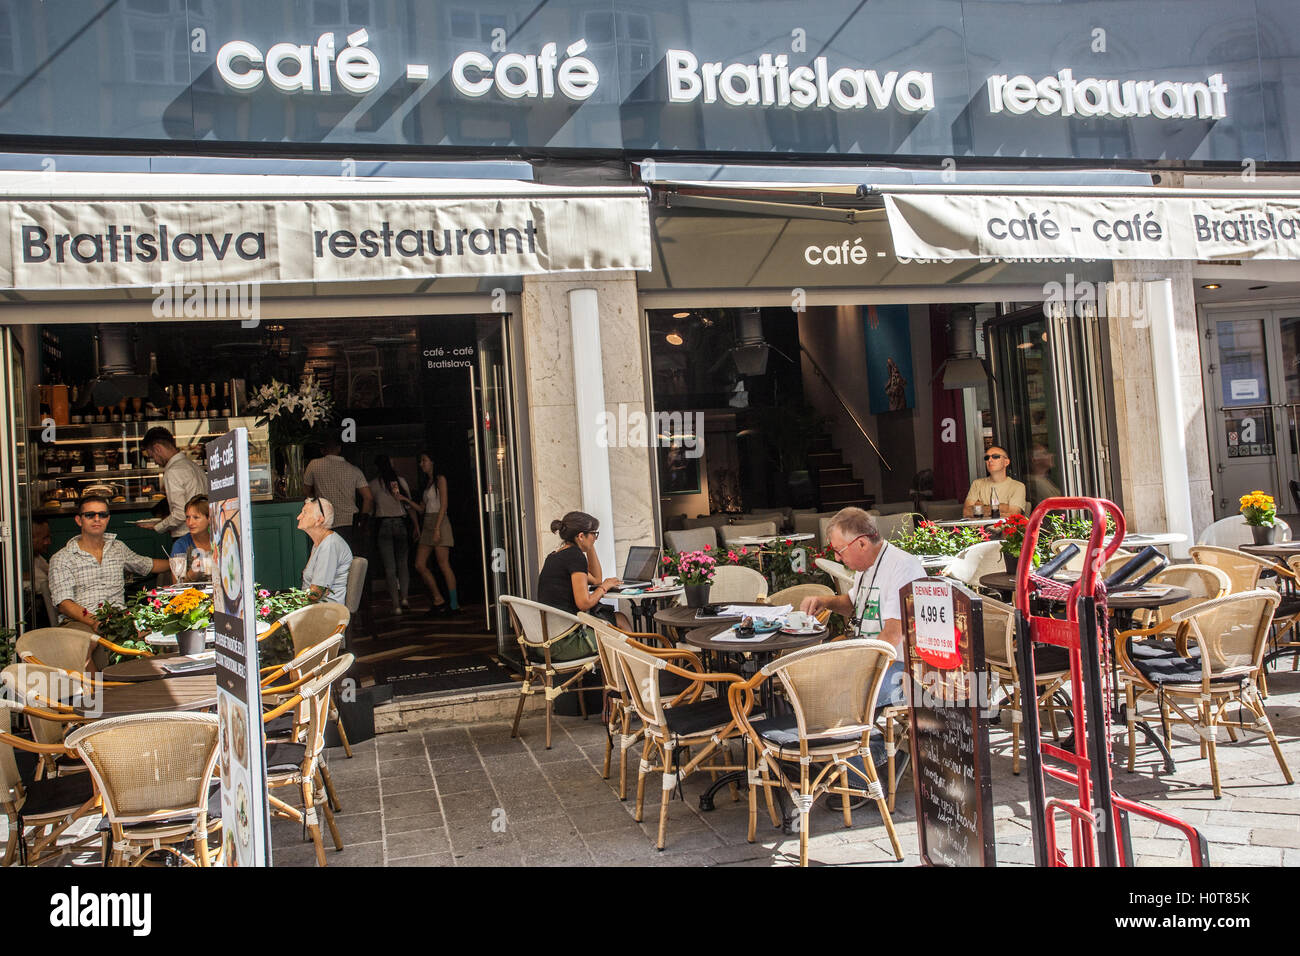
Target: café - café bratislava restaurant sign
[113, 230]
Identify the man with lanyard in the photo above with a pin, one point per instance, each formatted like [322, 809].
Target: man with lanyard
[873, 607]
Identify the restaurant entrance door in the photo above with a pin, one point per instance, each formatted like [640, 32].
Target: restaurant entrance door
[17, 593]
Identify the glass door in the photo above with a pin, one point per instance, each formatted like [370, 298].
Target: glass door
[500, 506]
[17, 596]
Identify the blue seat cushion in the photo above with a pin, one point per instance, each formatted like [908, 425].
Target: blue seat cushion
[687, 720]
[783, 731]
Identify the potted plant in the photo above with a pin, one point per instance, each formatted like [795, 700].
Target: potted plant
[293, 417]
[1260, 510]
[695, 572]
[1012, 528]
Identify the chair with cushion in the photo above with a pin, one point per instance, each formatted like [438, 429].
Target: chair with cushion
[693, 539]
[733, 584]
[618, 712]
[1051, 671]
[700, 728]
[841, 575]
[893, 526]
[312, 624]
[38, 811]
[814, 523]
[152, 772]
[831, 690]
[1218, 661]
[1232, 532]
[67, 648]
[47, 693]
[537, 627]
[759, 529]
[943, 510]
[301, 764]
[1243, 570]
[353, 593]
[1281, 642]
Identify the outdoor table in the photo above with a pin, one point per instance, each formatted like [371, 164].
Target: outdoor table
[154, 668]
[1121, 607]
[148, 696]
[679, 618]
[966, 522]
[1157, 539]
[761, 652]
[1277, 552]
[760, 540]
[643, 617]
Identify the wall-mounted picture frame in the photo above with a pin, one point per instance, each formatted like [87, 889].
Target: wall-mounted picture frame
[679, 472]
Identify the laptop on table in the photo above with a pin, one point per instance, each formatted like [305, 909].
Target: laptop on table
[641, 567]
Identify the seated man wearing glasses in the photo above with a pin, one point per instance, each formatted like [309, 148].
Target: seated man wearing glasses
[998, 487]
[326, 575]
[872, 608]
[88, 570]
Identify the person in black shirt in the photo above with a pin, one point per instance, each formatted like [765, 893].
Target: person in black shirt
[571, 581]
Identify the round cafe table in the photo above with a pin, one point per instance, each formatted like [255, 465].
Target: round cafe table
[155, 668]
[680, 618]
[1277, 552]
[148, 696]
[644, 603]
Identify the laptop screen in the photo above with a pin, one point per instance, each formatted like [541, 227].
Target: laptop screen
[642, 564]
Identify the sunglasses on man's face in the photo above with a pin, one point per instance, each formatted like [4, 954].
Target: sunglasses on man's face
[993, 457]
[97, 515]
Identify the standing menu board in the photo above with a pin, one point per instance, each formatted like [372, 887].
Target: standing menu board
[241, 760]
[944, 630]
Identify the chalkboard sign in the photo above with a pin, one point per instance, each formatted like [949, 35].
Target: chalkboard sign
[944, 628]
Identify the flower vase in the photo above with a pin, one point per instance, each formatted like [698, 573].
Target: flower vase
[293, 469]
[190, 642]
[1012, 562]
[1264, 533]
[697, 595]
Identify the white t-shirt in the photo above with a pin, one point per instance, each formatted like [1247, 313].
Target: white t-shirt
[875, 590]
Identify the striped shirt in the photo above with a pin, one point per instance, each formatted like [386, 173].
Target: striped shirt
[336, 480]
[77, 576]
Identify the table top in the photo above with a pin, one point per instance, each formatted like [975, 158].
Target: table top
[1156, 538]
[769, 538]
[151, 668]
[638, 596]
[175, 693]
[1280, 551]
[682, 616]
[966, 522]
[1001, 581]
[701, 637]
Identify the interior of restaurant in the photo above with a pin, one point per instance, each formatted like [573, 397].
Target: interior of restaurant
[200, 378]
[881, 406]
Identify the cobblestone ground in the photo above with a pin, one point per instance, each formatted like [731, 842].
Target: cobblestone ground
[471, 796]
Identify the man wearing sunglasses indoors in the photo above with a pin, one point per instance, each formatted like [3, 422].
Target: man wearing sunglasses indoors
[872, 607]
[88, 570]
[1010, 493]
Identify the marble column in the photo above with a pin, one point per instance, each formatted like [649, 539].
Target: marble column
[556, 431]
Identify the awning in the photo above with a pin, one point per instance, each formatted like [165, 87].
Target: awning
[1101, 224]
[71, 230]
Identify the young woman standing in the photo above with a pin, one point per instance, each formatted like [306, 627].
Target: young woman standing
[435, 536]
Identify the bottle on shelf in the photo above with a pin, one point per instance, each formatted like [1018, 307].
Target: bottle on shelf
[178, 401]
[204, 399]
[193, 402]
[225, 399]
[74, 416]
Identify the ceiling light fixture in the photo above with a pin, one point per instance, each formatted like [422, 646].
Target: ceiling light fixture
[1256, 288]
[681, 315]
[674, 337]
[1211, 285]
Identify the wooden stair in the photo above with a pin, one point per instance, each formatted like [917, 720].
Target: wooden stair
[837, 486]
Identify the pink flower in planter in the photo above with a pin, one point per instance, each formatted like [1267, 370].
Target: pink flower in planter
[264, 609]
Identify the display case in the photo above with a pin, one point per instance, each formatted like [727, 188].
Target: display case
[72, 459]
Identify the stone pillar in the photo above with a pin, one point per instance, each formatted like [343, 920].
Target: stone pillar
[1143, 476]
[562, 443]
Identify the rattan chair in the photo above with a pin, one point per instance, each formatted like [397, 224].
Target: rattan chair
[68, 648]
[1281, 642]
[1051, 671]
[153, 773]
[841, 575]
[44, 691]
[301, 764]
[618, 713]
[796, 595]
[1243, 570]
[706, 723]
[832, 691]
[308, 626]
[292, 726]
[537, 627]
[1220, 651]
[733, 584]
[45, 807]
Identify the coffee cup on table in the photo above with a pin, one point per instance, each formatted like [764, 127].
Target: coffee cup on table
[798, 620]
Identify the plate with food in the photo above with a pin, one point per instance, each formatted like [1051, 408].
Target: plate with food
[243, 822]
[231, 568]
[223, 731]
[757, 625]
[239, 735]
[231, 856]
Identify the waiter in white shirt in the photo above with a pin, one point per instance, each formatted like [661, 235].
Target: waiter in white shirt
[182, 479]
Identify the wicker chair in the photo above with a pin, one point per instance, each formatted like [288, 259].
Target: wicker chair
[841, 575]
[706, 724]
[733, 584]
[1281, 643]
[796, 595]
[308, 626]
[46, 807]
[1219, 659]
[1243, 570]
[832, 689]
[67, 648]
[43, 690]
[301, 764]
[537, 627]
[153, 773]
[618, 712]
[1051, 670]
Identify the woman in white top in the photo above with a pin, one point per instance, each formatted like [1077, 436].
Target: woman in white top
[390, 490]
[435, 536]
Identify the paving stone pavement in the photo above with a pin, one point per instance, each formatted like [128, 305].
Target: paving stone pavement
[471, 796]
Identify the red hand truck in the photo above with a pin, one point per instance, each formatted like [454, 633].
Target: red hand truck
[1098, 819]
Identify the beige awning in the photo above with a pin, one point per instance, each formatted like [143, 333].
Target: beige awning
[122, 230]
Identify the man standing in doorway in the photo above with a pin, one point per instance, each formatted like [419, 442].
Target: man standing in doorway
[338, 481]
[182, 479]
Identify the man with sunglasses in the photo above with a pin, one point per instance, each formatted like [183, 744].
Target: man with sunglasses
[872, 608]
[89, 570]
[1010, 493]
